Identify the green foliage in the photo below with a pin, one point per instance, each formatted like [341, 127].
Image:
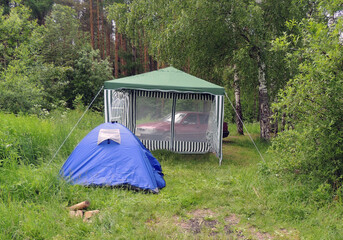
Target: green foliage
[89, 75]
[39, 8]
[312, 100]
[76, 69]
[16, 30]
[62, 37]
[45, 67]
[210, 36]
[19, 88]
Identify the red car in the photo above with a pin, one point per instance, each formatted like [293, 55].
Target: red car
[189, 126]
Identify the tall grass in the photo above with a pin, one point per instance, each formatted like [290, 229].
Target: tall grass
[33, 197]
[30, 140]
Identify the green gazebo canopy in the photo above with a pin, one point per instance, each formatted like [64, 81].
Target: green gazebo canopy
[167, 79]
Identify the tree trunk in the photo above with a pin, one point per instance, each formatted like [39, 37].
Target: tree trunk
[91, 22]
[124, 50]
[141, 49]
[98, 21]
[263, 99]
[108, 40]
[151, 63]
[134, 58]
[239, 115]
[103, 33]
[116, 56]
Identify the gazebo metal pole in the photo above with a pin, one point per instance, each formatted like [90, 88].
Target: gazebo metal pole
[172, 136]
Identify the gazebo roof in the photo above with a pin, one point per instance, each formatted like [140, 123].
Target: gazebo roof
[166, 79]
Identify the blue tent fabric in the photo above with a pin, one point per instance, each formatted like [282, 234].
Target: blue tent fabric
[113, 164]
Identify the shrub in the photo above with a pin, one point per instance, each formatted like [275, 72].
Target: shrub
[313, 101]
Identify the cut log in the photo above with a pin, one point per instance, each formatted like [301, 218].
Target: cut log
[80, 206]
[77, 213]
[89, 214]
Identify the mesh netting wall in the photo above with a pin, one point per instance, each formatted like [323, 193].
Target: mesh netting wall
[181, 122]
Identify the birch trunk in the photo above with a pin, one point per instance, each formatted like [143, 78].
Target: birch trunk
[239, 116]
[263, 100]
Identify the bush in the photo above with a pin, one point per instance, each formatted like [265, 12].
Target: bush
[313, 101]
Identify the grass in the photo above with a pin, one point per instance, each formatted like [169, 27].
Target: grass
[202, 200]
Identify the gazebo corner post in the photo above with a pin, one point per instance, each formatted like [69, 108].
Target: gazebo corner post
[219, 110]
[134, 111]
[172, 123]
[221, 122]
[131, 120]
[105, 106]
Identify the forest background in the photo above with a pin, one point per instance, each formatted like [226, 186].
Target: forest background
[280, 62]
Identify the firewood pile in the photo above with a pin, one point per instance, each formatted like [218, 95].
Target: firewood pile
[78, 210]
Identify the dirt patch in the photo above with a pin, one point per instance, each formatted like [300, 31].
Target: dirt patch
[196, 225]
[199, 219]
[232, 220]
[229, 227]
[260, 235]
[206, 222]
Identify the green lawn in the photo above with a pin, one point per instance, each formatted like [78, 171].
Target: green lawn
[202, 200]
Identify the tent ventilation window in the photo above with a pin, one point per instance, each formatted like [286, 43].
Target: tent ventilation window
[109, 134]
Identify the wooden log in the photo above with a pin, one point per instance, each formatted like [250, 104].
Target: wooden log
[80, 206]
[77, 213]
[89, 214]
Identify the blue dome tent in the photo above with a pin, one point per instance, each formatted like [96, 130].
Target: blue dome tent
[111, 155]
